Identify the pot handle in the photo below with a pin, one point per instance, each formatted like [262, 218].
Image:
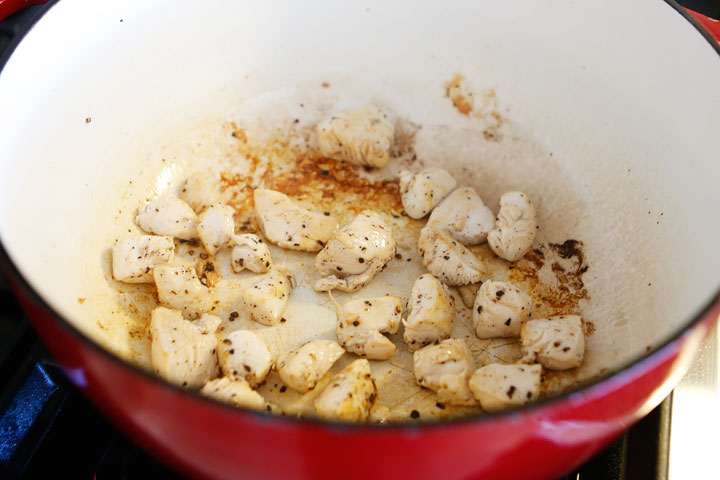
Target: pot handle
[711, 25]
[8, 7]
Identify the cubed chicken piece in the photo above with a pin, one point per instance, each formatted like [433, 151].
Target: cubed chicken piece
[235, 392]
[515, 227]
[355, 254]
[448, 259]
[431, 313]
[267, 299]
[468, 293]
[217, 227]
[180, 352]
[290, 226]
[301, 368]
[422, 191]
[250, 252]
[464, 216]
[446, 368]
[557, 343]
[180, 288]
[362, 322]
[500, 309]
[499, 387]
[243, 355]
[168, 215]
[362, 136]
[350, 394]
[134, 258]
[202, 190]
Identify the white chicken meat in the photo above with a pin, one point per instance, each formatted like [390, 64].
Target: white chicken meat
[431, 311]
[235, 392]
[180, 288]
[499, 387]
[468, 293]
[355, 254]
[446, 368]
[243, 355]
[134, 258]
[250, 252]
[168, 215]
[202, 190]
[557, 343]
[362, 136]
[216, 227]
[448, 259]
[302, 368]
[515, 227]
[290, 226]
[180, 352]
[464, 215]
[350, 394]
[422, 191]
[500, 309]
[362, 322]
[267, 299]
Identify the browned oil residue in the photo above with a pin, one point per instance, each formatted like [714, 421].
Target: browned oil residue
[454, 91]
[330, 186]
[588, 328]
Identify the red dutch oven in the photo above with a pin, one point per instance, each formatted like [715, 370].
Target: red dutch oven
[625, 96]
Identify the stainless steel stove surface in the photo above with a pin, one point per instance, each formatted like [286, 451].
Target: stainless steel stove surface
[48, 429]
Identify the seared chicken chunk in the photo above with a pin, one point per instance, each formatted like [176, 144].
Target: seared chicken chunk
[216, 227]
[468, 293]
[515, 227]
[290, 226]
[448, 259]
[431, 313]
[235, 392]
[202, 190]
[464, 215]
[134, 258]
[180, 288]
[168, 215]
[446, 369]
[250, 252]
[180, 352]
[362, 136]
[499, 310]
[362, 321]
[243, 355]
[498, 387]
[350, 394]
[422, 191]
[557, 343]
[267, 299]
[301, 368]
[355, 254]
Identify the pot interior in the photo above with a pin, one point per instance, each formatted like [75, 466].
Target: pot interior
[572, 104]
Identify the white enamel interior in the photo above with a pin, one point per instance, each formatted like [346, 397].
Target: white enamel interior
[624, 95]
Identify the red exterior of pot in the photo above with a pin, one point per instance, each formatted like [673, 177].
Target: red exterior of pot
[205, 439]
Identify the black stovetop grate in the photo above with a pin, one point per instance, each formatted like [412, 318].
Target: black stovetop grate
[48, 429]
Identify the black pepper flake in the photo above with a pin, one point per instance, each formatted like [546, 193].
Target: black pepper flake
[283, 320]
[529, 395]
[327, 214]
[297, 120]
[415, 414]
[398, 256]
[499, 293]
[446, 257]
[324, 173]
[479, 309]
[233, 316]
[356, 323]
[361, 260]
[556, 344]
[231, 351]
[339, 269]
[507, 322]
[227, 341]
[511, 391]
[440, 405]
[566, 349]
[247, 368]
